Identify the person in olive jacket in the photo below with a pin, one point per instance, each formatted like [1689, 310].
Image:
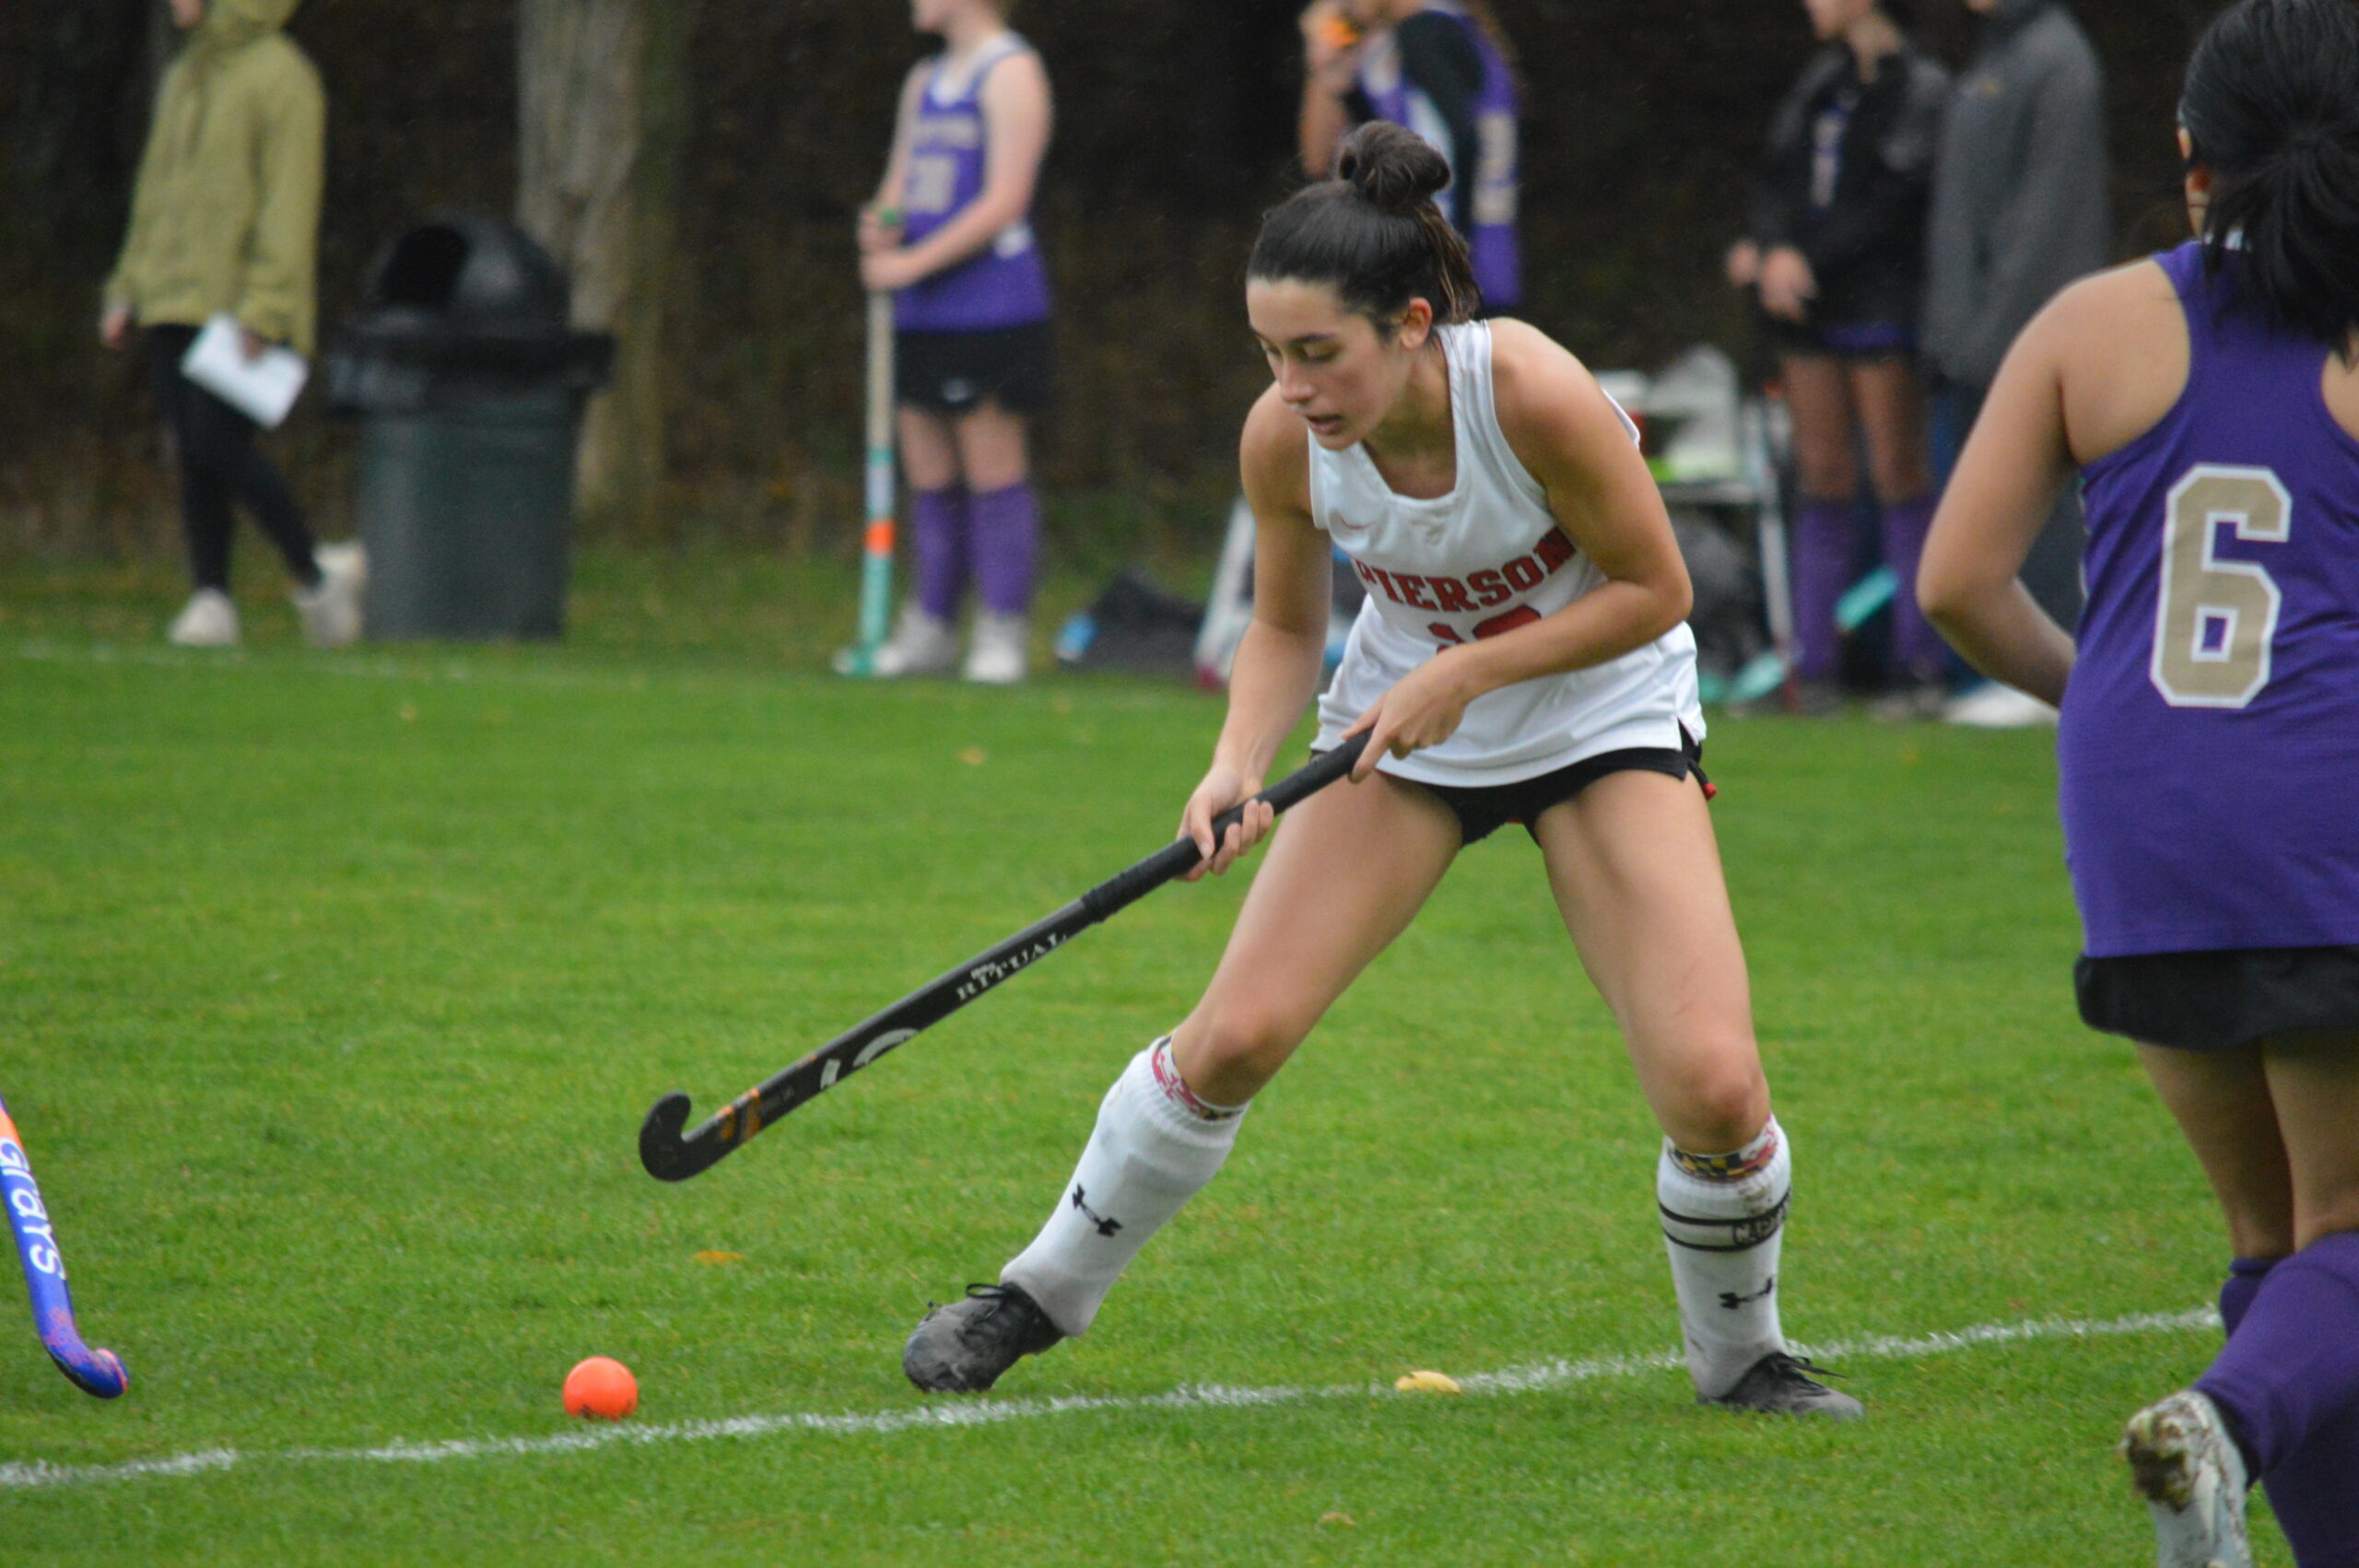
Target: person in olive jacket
[224, 220]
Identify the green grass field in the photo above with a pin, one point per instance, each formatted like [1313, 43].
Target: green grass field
[332, 989]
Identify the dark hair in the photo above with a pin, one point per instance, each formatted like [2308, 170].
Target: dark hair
[2272, 106]
[1373, 232]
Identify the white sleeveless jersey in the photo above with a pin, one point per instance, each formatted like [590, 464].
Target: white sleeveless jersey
[1484, 559]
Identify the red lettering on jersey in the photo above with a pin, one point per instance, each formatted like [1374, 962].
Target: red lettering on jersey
[1525, 574]
[1384, 581]
[1448, 635]
[1368, 573]
[1554, 550]
[1490, 589]
[1522, 616]
[1413, 591]
[1452, 595]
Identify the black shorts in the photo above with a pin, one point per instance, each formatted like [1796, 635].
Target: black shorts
[1858, 340]
[953, 373]
[1483, 809]
[2220, 1000]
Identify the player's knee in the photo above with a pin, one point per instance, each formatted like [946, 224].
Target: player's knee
[1898, 481]
[1719, 1104]
[1257, 1043]
[996, 472]
[1234, 1050]
[1828, 475]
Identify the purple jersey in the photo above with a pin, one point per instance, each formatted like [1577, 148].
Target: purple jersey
[1004, 284]
[1489, 211]
[2210, 730]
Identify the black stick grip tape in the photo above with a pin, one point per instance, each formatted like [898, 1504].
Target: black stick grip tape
[1181, 855]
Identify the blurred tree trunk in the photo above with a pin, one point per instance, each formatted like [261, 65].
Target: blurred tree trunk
[659, 190]
[602, 95]
[83, 83]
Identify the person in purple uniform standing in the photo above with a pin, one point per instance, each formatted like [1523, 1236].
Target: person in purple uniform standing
[2210, 398]
[1837, 255]
[950, 235]
[1443, 69]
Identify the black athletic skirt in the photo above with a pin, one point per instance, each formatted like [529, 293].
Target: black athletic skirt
[1483, 809]
[2220, 1000]
[952, 372]
[1844, 340]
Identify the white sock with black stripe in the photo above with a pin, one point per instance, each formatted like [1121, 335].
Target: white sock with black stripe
[1724, 1220]
[1156, 1145]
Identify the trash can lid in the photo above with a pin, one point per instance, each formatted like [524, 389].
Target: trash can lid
[463, 269]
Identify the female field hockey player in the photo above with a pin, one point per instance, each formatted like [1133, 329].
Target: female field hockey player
[1443, 69]
[1837, 256]
[950, 234]
[2210, 740]
[1521, 659]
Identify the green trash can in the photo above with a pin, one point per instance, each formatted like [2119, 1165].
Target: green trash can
[468, 384]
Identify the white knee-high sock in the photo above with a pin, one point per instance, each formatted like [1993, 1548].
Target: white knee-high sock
[1154, 1145]
[1724, 1219]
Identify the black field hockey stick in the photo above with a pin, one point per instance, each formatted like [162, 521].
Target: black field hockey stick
[669, 1155]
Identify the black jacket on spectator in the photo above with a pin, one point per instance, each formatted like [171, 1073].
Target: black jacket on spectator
[2020, 193]
[1865, 241]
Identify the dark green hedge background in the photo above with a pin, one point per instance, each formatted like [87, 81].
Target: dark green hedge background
[1175, 130]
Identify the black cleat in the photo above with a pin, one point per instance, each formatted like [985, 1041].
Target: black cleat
[1780, 1385]
[962, 1348]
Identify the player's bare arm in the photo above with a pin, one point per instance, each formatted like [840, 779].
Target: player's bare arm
[1565, 431]
[880, 223]
[2100, 365]
[1278, 661]
[1330, 57]
[1016, 117]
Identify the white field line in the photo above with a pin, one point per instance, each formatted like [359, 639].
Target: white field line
[1554, 1374]
[422, 668]
[427, 667]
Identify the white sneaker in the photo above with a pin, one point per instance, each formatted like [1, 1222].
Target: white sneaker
[331, 611]
[207, 620]
[345, 556]
[920, 645]
[1996, 706]
[2185, 1465]
[997, 654]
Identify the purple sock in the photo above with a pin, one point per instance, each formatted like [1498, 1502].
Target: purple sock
[1915, 645]
[2243, 1283]
[938, 539]
[1822, 570]
[1007, 541]
[2289, 1381]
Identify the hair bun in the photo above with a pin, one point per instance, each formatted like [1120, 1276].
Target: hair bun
[1391, 166]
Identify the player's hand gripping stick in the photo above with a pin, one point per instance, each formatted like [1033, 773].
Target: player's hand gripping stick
[670, 1156]
[93, 1372]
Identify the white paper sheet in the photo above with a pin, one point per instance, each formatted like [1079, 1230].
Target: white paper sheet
[262, 389]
